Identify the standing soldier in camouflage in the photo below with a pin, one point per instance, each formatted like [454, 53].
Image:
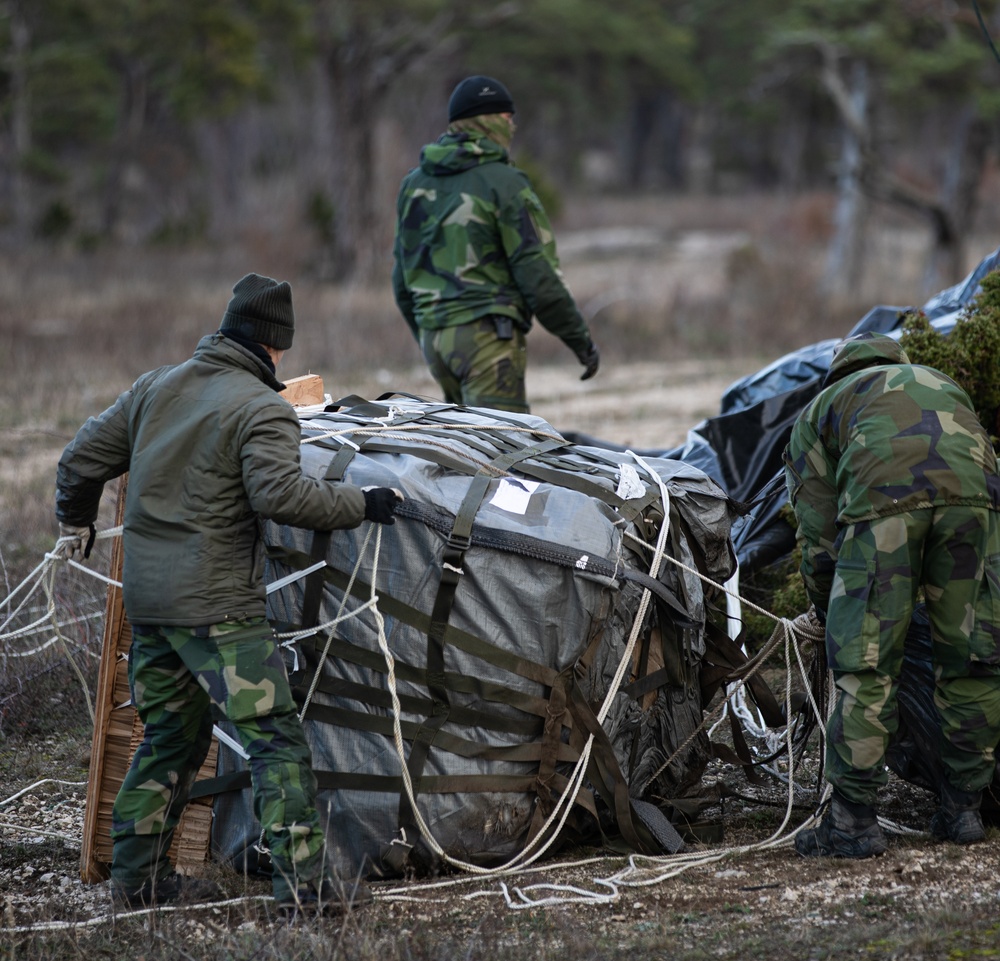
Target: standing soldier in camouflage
[475, 257]
[210, 448]
[894, 485]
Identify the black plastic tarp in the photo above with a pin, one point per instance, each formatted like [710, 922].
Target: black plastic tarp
[741, 447]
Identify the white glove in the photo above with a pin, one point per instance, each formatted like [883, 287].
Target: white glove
[75, 541]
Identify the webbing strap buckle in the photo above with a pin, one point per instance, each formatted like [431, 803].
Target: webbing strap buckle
[459, 542]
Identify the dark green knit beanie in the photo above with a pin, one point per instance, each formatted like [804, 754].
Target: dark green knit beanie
[261, 311]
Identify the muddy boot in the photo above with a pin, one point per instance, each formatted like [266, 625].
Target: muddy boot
[958, 819]
[848, 830]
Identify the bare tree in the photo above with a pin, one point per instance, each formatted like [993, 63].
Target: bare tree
[855, 73]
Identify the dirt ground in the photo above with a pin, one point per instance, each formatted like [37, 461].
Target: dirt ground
[742, 896]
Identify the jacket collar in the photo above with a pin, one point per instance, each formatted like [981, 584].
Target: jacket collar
[217, 348]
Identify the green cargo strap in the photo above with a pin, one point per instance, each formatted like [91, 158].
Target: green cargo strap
[549, 747]
[411, 616]
[381, 783]
[410, 704]
[381, 724]
[312, 595]
[361, 407]
[451, 571]
[725, 662]
[607, 777]
[374, 661]
[640, 672]
[742, 749]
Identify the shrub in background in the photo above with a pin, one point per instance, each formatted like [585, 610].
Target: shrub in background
[969, 354]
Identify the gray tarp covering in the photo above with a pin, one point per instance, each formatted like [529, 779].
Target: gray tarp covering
[499, 690]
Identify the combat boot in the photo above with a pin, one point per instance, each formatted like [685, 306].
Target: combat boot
[333, 896]
[848, 830]
[958, 819]
[173, 888]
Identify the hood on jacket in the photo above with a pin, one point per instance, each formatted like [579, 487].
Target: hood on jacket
[453, 153]
[861, 352]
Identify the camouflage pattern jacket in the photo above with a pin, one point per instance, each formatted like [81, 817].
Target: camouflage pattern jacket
[210, 447]
[472, 240]
[883, 437]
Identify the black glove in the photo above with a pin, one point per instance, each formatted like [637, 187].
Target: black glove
[590, 359]
[381, 504]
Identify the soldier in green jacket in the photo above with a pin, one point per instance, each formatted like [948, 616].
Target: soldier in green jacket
[475, 257]
[895, 488]
[210, 448]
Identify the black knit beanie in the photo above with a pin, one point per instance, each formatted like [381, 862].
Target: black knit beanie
[475, 96]
[261, 311]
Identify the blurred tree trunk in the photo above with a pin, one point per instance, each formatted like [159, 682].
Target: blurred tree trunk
[964, 165]
[223, 147]
[653, 148]
[365, 48]
[356, 96]
[20, 117]
[130, 123]
[919, 60]
[949, 211]
[845, 256]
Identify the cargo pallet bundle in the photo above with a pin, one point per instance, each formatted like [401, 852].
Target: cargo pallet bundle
[511, 664]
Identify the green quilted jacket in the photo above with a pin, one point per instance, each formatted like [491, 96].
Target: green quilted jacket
[210, 448]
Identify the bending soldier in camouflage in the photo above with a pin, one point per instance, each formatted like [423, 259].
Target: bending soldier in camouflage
[894, 485]
[210, 448]
[475, 258]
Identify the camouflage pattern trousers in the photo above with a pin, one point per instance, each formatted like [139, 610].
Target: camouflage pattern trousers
[953, 553]
[179, 678]
[478, 365]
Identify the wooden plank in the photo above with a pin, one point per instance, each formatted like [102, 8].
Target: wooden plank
[93, 866]
[117, 733]
[304, 391]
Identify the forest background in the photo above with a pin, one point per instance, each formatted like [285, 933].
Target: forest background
[179, 122]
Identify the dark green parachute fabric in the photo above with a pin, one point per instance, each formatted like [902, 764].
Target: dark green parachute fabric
[509, 584]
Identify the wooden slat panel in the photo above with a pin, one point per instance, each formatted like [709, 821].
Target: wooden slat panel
[117, 733]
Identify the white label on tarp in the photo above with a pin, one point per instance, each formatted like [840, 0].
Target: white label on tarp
[629, 485]
[513, 494]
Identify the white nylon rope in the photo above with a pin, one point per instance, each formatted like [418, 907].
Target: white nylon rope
[641, 870]
[569, 796]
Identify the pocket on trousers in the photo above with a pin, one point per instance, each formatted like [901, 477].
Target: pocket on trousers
[984, 644]
[852, 622]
